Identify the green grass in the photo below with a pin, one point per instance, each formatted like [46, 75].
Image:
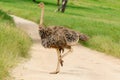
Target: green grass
[13, 44]
[99, 19]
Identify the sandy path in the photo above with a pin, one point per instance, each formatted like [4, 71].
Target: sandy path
[82, 64]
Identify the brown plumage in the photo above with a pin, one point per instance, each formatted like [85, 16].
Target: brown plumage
[59, 38]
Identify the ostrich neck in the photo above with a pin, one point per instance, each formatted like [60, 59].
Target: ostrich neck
[41, 17]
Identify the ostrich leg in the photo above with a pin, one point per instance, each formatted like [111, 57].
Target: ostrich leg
[58, 63]
[58, 2]
[64, 2]
[65, 54]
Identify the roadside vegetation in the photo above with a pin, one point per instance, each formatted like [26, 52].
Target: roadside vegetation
[99, 19]
[14, 45]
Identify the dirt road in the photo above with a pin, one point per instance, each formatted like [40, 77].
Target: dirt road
[82, 64]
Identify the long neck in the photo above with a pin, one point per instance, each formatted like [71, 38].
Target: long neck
[42, 15]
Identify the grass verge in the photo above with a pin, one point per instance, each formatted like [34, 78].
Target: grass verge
[13, 45]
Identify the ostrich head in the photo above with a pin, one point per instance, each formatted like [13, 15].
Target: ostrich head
[41, 5]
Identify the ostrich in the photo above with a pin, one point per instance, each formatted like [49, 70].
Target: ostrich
[59, 38]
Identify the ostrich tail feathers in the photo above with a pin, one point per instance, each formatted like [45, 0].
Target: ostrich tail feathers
[83, 37]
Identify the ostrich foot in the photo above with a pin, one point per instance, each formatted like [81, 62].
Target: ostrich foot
[55, 72]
